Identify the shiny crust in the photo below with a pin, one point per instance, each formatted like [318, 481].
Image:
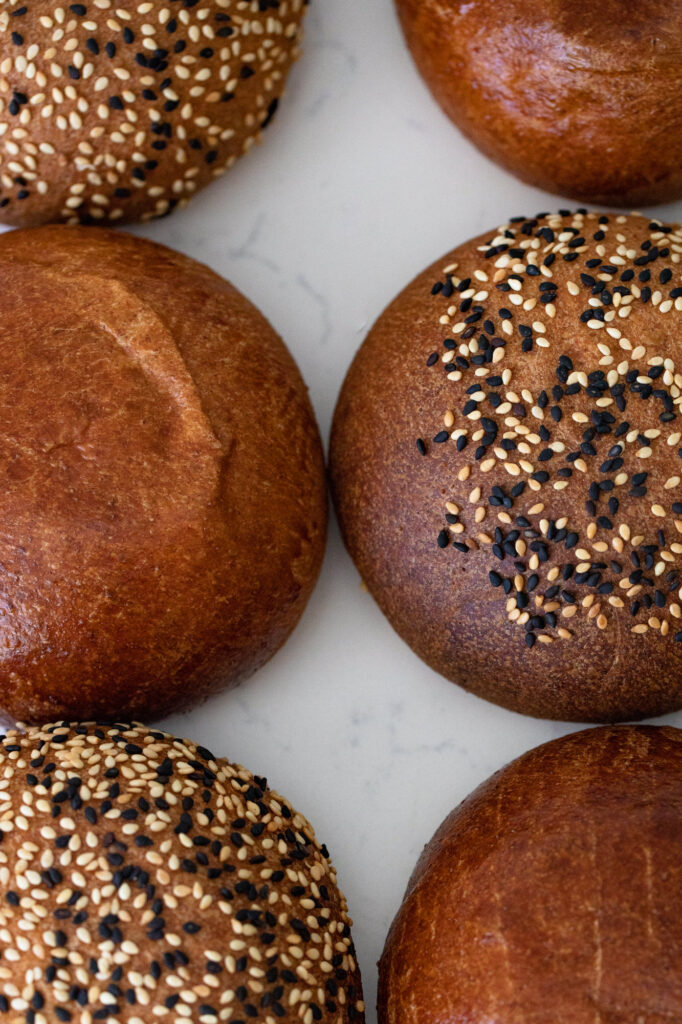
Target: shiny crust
[579, 98]
[163, 504]
[601, 654]
[551, 894]
[113, 113]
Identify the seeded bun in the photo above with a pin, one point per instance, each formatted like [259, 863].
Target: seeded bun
[141, 878]
[551, 894]
[506, 466]
[117, 113]
[578, 98]
[163, 508]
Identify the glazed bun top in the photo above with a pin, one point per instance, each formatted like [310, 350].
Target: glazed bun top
[551, 894]
[578, 98]
[112, 113]
[507, 465]
[163, 505]
[141, 878]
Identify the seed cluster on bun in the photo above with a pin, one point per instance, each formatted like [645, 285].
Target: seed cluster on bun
[142, 878]
[121, 112]
[623, 557]
[538, 370]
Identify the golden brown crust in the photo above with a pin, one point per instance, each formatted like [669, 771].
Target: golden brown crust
[582, 99]
[142, 878]
[551, 476]
[112, 113]
[551, 894]
[163, 505]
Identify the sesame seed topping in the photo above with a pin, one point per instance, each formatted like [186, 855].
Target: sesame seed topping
[602, 410]
[141, 877]
[157, 100]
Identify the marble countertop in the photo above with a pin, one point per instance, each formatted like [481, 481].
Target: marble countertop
[361, 183]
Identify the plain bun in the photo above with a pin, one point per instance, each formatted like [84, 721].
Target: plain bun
[551, 894]
[581, 99]
[506, 462]
[163, 508]
[117, 113]
[142, 878]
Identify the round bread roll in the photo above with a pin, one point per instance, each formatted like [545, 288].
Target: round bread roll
[551, 894]
[141, 878]
[577, 98]
[506, 462]
[116, 113]
[163, 508]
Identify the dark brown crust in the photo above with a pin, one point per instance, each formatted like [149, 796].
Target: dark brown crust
[551, 894]
[391, 503]
[579, 98]
[163, 504]
[112, 113]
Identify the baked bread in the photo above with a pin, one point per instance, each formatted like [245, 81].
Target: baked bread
[117, 113]
[141, 878]
[578, 98]
[506, 465]
[163, 507]
[551, 894]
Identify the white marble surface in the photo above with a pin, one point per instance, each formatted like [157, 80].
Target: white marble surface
[361, 182]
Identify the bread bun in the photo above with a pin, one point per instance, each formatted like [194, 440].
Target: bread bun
[141, 878]
[578, 98]
[117, 113]
[163, 508]
[551, 894]
[506, 466]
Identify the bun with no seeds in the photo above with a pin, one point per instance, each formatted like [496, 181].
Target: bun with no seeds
[142, 878]
[551, 894]
[579, 98]
[506, 462]
[119, 112]
[163, 507]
